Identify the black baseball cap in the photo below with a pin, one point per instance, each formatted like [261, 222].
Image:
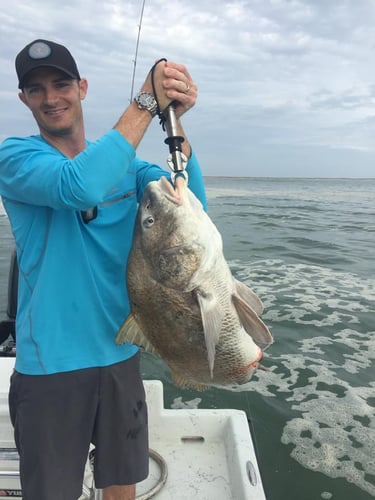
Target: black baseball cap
[44, 53]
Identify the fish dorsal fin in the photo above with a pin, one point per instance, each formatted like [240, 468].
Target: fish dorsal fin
[253, 325]
[131, 332]
[211, 319]
[249, 296]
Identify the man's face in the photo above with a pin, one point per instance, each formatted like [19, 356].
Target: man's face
[55, 101]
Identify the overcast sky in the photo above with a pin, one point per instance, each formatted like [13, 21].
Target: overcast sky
[286, 87]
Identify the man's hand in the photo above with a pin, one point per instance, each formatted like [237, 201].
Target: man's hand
[172, 83]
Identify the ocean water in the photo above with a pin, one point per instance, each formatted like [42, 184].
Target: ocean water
[307, 248]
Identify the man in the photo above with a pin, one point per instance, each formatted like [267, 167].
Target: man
[72, 206]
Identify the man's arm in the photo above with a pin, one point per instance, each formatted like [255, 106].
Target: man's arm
[172, 83]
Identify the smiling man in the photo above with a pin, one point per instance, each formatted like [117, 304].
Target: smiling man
[53, 89]
[54, 100]
[72, 205]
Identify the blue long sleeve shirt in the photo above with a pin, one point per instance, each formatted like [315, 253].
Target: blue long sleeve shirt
[72, 294]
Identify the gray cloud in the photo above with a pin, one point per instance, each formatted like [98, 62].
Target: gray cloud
[278, 79]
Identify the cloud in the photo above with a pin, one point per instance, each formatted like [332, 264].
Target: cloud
[289, 74]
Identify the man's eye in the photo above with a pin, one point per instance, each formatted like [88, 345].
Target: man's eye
[33, 90]
[63, 85]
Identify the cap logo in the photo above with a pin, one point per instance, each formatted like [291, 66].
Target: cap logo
[39, 50]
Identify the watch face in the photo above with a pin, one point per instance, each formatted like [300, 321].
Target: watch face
[147, 101]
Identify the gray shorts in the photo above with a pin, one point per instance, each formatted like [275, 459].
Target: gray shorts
[55, 418]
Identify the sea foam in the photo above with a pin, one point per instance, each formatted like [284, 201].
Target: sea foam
[327, 377]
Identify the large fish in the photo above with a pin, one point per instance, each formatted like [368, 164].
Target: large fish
[185, 304]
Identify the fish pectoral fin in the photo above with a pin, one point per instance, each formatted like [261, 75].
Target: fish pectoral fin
[253, 325]
[249, 296]
[211, 320]
[131, 332]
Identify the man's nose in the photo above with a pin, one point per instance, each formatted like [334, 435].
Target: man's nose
[50, 95]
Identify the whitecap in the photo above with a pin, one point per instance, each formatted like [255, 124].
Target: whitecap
[179, 404]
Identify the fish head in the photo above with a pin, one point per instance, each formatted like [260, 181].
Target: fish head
[171, 229]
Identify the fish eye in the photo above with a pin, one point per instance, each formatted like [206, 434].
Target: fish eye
[148, 221]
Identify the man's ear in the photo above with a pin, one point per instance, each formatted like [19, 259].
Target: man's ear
[22, 97]
[83, 86]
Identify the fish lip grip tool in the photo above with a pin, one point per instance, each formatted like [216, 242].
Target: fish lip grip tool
[176, 159]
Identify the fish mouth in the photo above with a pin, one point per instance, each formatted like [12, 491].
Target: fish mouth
[174, 194]
[251, 366]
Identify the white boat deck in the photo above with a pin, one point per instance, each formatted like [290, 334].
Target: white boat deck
[209, 454]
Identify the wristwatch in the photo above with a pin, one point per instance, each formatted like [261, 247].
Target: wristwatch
[147, 101]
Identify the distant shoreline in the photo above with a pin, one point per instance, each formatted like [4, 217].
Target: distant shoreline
[287, 177]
